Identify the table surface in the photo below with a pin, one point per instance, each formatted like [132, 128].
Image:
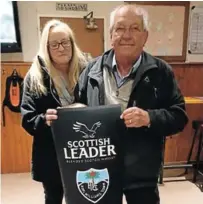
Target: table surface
[193, 99]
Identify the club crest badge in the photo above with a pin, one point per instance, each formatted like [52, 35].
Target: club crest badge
[93, 183]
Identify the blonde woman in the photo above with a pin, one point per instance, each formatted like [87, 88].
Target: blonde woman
[49, 84]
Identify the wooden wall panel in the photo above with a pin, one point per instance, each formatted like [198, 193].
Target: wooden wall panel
[178, 146]
[15, 142]
[190, 80]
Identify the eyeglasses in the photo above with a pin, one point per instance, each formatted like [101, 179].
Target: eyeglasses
[55, 45]
[120, 30]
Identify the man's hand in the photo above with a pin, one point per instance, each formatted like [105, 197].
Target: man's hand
[51, 114]
[135, 117]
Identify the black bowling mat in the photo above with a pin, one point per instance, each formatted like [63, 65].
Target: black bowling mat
[88, 146]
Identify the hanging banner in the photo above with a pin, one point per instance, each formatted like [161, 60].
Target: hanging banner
[88, 147]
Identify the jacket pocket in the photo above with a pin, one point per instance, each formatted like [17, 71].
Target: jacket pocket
[147, 97]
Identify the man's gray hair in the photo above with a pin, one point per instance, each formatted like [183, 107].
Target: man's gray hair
[138, 11]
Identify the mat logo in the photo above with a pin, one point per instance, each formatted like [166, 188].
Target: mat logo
[93, 183]
[86, 132]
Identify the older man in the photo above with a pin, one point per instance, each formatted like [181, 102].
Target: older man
[153, 106]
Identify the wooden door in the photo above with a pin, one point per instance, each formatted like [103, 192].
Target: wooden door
[15, 142]
[90, 41]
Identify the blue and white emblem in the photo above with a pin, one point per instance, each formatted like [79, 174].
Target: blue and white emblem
[93, 183]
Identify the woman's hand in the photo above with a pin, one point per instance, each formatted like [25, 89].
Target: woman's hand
[51, 114]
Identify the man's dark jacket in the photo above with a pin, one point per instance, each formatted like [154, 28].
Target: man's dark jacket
[155, 90]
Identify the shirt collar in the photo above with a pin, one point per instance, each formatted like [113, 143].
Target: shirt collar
[134, 68]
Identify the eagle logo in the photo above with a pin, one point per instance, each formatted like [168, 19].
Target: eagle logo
[87, 133]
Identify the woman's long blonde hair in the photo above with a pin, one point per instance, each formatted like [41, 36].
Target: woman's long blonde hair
[77, 62]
